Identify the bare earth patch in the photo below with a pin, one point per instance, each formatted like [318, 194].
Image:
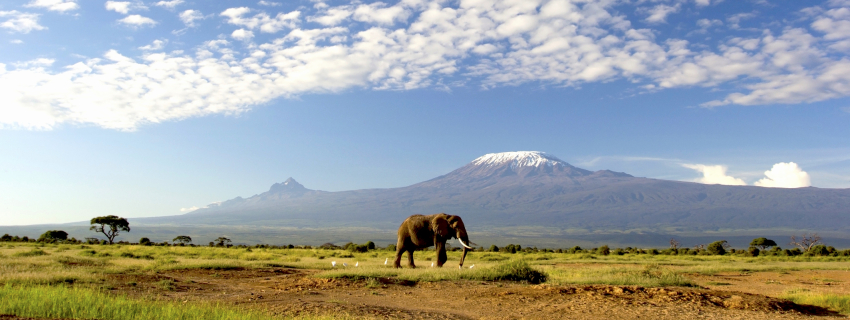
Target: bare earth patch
[295, 291]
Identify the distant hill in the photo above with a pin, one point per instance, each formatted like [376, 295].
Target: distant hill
[516, 189]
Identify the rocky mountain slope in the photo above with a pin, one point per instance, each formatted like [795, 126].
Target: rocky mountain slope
[538, 189]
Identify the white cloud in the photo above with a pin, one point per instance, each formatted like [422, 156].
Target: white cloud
[190, 16]
[705, 24]
[190, 209]
[715, 175]
[268, 3]
[54, 5]
[22, 22]
[124, 7]
[377, 12]
[491, 44]
[155, 45]
[36, 63]
[169, 4]
[262, 20]
[332, 17]
[118, 6]
[785, 175]
[242, 35]
[702, 3]
[16, 41]
[659, 13]
[136, 20]
[735, 20]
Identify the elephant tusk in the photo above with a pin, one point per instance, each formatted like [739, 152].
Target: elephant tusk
[463, 244]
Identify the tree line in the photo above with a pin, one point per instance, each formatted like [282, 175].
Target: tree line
[111, 226]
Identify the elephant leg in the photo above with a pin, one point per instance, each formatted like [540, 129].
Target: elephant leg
[441, 253]
[397, 262]
[410, 258]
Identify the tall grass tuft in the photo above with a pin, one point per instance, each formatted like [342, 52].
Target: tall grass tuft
[836, 302]
[647, 276]
[78, 303]
[517, 270]
[32, 253]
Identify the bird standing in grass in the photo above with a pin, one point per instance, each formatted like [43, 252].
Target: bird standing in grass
[333, 264]
[472, 266]
[385, 261]
[344, 264]
[357, 264]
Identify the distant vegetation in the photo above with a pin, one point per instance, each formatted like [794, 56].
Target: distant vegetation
[807, 245]
[66, 273]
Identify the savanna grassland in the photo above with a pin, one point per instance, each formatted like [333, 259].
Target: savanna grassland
[74, 281]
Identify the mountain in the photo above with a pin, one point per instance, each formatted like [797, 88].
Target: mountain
[537, 189]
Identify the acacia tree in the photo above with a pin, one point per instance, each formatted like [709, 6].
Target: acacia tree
[806, 242]
[762, 243]
[222, 241]
[674, 244]
[110, 226]
[182, 239]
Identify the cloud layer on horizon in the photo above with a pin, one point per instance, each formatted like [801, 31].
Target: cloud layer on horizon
[418, 44]
[781, 175]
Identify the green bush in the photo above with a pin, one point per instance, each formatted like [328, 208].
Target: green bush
[603, 250]
[513, 271]
[753, 251]
[717, 248]
[145, 241]
[53, 235]
[818, 250]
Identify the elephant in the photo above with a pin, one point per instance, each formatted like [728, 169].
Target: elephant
[418, 232]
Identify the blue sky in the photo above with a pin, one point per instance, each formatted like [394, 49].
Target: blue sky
[152, 108]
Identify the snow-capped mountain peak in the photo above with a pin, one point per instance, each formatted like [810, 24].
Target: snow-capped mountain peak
[518, 159]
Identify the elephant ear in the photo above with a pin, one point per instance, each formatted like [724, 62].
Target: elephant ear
[454, 221]
[440, 226]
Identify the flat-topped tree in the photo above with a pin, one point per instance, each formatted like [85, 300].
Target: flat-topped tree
[182, 239]
[762, 243]
[110, 226]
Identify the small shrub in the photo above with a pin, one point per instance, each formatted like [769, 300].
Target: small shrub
[145, 241]
[492, 257]
[603, 250]
[514, 271]
[753, 251]
[167, 285]
[31, 253]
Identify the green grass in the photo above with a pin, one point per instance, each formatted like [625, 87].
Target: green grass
[31, 265]
[516, 270]
[836, 302]
[79, 303]
[645, 276]
[32, 253]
